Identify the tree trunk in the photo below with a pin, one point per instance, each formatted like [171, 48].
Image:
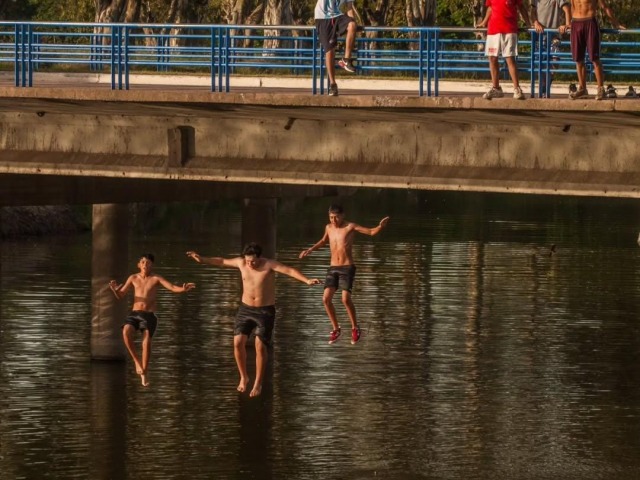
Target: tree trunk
[277, 12]
[376, 16]
[420, 13]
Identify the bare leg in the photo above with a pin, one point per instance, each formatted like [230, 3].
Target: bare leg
[513, 71]
[240, 353]
[351, 308]
[327, 301]
[146, 355]
[582, 75]
[350, 40]
[127, 335]
[597, 64]
[494, 68]
[330, 63]
[262, 355]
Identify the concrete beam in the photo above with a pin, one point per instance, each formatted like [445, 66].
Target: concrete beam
[537, 146]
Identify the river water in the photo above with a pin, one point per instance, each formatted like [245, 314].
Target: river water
[487, 353]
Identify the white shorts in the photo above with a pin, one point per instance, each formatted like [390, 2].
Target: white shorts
[505, 44]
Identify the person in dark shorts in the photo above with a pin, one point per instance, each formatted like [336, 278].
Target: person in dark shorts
[142, 317]
[585, 37]
[339, 234]
[257, 311]
[331, 24]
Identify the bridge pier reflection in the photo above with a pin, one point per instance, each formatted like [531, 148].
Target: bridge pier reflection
[109, 261]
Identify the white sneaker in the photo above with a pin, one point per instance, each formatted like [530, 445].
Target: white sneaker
[495, 92]
[517, 94]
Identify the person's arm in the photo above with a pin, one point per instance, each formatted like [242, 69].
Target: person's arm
[566, 8]
[533, 13]
[485, 20]
[321, 243]
[372, 231]
[215, 261]
[525, 15]
[614, 21]
[119, 291]
[293, 273]
[175, 288]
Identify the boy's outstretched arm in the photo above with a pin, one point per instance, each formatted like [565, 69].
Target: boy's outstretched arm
[175, 288]
[321, 243]
[293, 273]
[614, 20]
[119, 291]
[215, 261]
[372, 231]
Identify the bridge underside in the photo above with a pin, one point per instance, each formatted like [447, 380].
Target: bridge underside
[186, 146]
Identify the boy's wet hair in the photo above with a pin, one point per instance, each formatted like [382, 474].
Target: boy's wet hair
[252, 249]
[335, 208]
[148, 256]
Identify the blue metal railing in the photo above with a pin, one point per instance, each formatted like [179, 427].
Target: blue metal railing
[427, 55]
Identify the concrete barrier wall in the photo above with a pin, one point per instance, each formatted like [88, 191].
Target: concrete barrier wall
[564, 147]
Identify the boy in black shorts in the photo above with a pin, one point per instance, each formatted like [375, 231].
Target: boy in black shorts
[257, 311]
[331, 23]
[339, 234]
[142, 317]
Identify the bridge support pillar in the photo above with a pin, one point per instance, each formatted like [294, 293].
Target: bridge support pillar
[259, 224]
[109, 261]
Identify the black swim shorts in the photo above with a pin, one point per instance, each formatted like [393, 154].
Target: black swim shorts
[260, 319]
[330, 29]
[340, 277]
[142, 320]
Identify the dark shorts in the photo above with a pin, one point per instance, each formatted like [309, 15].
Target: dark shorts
[330, 29]
[585, 36]
[142, 320]
[260, 319]
[340, 277]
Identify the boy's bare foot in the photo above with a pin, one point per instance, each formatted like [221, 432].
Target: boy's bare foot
[139, 369]
[257, 389]
[145, 379]
[242, 386]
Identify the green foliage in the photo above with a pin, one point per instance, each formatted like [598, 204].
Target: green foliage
[63, 10]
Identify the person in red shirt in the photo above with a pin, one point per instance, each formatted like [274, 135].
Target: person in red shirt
[501, 21]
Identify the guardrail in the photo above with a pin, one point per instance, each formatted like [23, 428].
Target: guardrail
[427, 55]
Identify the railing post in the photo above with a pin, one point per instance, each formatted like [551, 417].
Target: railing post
[436, 41]
[429, 62]
[421, 62]
[227, 57]
[113, 58]
[532, 63]
[16, 55]
[213, 37]
[314, 62]
[126, 57]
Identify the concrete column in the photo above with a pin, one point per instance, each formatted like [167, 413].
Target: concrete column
[109, 261]
[259, 224]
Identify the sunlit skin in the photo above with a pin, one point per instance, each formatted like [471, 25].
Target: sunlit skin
[145, 286]
[585, 9]
[340, 234]
[258, 290]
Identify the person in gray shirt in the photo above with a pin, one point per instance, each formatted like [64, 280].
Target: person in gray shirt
[550, 15]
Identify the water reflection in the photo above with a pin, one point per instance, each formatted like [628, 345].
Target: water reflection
[482, 357]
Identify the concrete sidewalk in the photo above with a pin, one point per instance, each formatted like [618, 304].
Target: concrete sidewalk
[346, 83]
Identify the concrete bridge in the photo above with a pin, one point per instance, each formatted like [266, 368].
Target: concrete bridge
[109, 148]
[180, 143]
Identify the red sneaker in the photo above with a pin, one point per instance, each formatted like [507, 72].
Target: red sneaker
[334, 335]
[355, 335]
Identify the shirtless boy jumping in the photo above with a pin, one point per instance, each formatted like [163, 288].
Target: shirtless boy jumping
[142, 317]
[340, 235]
[585, 36]
[257, 310]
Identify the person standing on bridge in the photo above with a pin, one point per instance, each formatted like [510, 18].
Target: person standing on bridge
[501, 21]
[142, 317]
[548, 14]
[257, 311]
[331, 23]
[339, 234]
[585, 36]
